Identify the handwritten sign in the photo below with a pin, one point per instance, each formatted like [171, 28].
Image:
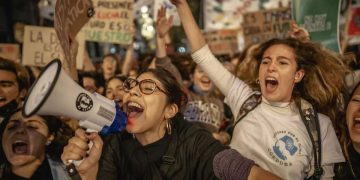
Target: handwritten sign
[9, 51]
[70, 17]
[263, 25]
[111, 23]
[320, 18]
[222, 41]
[41, 45]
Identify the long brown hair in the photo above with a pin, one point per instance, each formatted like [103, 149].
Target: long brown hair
[323, 82]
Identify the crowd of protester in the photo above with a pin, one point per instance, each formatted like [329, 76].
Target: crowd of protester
[282, 109]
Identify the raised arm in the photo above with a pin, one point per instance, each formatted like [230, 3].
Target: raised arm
[125, 69]
[128, 61]
[222, 78]
[163, 25]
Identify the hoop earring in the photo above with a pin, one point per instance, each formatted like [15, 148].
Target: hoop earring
[48, 143]
[168, 127]
[257, 81]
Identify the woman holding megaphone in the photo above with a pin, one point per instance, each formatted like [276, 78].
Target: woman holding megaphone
[158, 143]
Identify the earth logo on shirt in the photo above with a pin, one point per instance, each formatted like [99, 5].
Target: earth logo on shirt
[284, 146]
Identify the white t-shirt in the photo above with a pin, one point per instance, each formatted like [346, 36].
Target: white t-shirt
[273, 134]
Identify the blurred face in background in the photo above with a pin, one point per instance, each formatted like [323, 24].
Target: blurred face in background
[89, 84]
[9, 87]
[109, 65]
[201, 80]
[353, 117]
[115, 90]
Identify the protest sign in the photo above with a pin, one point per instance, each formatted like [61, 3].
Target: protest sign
[320, 18]
[354, 24]
[9, 51]
[112, 22]
[70, 17]
[227, 14]
[222, 41]
[41, 45]
[263, 25]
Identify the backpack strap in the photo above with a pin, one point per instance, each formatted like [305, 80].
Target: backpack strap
[249, 105]
[311, 120]
[168, 158]
[309, 117]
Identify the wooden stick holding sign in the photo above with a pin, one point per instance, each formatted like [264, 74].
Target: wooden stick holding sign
[70, 17]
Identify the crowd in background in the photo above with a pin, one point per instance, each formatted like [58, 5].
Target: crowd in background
[197, 115]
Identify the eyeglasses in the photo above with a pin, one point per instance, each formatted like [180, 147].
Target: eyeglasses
[147, 86]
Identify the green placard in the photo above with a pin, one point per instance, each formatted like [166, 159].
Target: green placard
[320, 18]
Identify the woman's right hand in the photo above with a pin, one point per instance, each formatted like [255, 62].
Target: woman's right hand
[77, 149]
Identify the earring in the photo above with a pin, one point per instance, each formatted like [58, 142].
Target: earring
[168, 127]
[257, 81]
[133, 135]
[48, 142]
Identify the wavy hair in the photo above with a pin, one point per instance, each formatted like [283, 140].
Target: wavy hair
[323, 82]
[341, 125]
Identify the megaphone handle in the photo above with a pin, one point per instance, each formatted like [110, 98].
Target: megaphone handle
[71, 168]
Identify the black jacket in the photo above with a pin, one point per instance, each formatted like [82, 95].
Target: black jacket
[185, 154]
[351, 169]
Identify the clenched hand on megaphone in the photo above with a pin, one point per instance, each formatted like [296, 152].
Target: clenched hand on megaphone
[55, 93]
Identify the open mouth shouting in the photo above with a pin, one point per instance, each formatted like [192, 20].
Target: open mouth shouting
[20, 147]
[205, 84]
[134, 110]
[2, 100]
[271, 84]
[356, 124]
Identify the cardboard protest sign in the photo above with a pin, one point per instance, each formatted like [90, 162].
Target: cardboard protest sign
[112, 22]
[9, 51]
[222, 41]
[263, 25]
[70, 17]
[320, 18]
[41, 45]
[227, 14]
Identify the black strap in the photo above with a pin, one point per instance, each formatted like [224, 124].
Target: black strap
[250, 104]
[169, 157]
[308, 116]
[311, 120]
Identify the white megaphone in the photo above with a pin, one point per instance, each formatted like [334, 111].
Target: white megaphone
[55, 93]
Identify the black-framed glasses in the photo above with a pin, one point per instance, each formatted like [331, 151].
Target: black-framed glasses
[147, 86]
